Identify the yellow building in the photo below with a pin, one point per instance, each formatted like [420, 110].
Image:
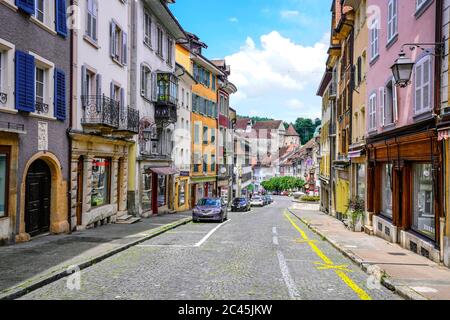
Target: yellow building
[204, 124]
[357, 152]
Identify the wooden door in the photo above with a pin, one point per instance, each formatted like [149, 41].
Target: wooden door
[38, 189]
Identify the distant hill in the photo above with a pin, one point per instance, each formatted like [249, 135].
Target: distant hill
[255, 119]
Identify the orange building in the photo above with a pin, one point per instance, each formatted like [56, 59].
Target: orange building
[204, 118]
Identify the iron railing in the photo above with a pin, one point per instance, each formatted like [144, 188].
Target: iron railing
[41, 108]
[129, 120]
[101, 111]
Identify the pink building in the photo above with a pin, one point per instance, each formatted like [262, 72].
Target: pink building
[404, 155]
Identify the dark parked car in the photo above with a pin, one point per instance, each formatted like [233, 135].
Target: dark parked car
[210, 209]
[269, 199]
[266, 200]
[240, 204]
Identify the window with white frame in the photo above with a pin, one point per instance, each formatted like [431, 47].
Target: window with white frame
[1, 71]
[386, 190]
[159, 47]
[423, 85]
[182, 97]
[91, 23]
[372, 112]
[374, 40]
[420, 4]
[146, 82]
[392, 19]
[43, 86]
[147, 29]
[170, 51]
[187, 100]
[40, 10]
[390, 103]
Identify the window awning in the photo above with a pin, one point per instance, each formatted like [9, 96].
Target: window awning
[164, 171]
[356, 153]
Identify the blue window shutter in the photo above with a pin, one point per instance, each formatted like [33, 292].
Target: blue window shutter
[26, 6]
[24, 86]
[60, 95]
[125, 48]
[61, 19]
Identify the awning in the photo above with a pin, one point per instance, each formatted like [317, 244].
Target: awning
[164, 171]
[356, 154]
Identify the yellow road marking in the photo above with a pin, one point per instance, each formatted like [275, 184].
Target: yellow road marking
[339, 270]
[342, 267]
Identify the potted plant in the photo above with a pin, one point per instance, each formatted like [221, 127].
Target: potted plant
[355, 213]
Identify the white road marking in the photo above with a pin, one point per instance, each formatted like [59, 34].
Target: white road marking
[198, 244]
[292, 289]
[161, 246]
[275, 241]
[274, 230]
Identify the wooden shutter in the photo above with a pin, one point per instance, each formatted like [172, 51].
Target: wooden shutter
[83, 81]
[112, 38]
[60, 95]
[154, 87]
[25, 79]
[26, 6]
[395, 100]
[426, 84]
[382, 97]
[124, 48]
[61, 19]
[418, 89]
[98, 84]
[122, 99]
[143, 81]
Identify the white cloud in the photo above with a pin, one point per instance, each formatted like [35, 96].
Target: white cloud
[289, 13]
[277, 70]
[233, 20]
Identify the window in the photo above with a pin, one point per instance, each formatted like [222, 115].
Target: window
[197, 133]
[213, 135]
[213, 163]
[420, 4]
[146, 190]
[374, 41]
[197, 159]
[424, 217]
[386, 190]
[205, 163]
[118, 44]
[40, 84]
[1, 74]
[4, 173]
[214, 82]
[91, 23]
[361, 181]
[159, 47]
[182, 97]
[423, 85]
[147, 29]
[100, 182]
[392, 19]
[373, 112]
[205, 135]
[40, 14]
[182, 193]
[169, 51]
[390, 103]
[146, 82]
[161, 191]
[187, 100]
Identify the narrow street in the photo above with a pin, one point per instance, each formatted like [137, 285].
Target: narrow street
[264, 254]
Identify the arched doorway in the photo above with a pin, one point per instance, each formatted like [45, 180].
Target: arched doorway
[38, 198]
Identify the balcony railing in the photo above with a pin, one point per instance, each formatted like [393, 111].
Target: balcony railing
[100, 111]
[165, 113]
[41, 108]
[129, 120]
[3, 98]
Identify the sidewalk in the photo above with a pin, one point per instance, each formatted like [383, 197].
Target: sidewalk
[410, 275]
[28, 266]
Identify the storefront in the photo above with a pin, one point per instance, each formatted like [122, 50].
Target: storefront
[404, 192]
[100, 179]
[182, 192]
[202, 188]
[156, 189]
[358, 159]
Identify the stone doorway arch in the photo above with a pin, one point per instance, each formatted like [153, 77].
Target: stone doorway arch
[58, 209]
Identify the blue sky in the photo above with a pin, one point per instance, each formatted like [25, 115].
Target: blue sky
[276, 49]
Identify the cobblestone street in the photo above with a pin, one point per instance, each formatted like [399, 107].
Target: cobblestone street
[265, 254]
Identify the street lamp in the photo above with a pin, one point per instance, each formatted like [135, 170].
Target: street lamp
[403, 66]
[402, 70]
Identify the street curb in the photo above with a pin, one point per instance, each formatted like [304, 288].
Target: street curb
[403, 291]
[34, 284]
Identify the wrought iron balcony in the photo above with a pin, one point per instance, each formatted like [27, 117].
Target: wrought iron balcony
[129, 120]
[165, 113]
[41, 108]
[100, 111]
[167, 99]
[3, 98]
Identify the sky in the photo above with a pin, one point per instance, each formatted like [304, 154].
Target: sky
[276, 49]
